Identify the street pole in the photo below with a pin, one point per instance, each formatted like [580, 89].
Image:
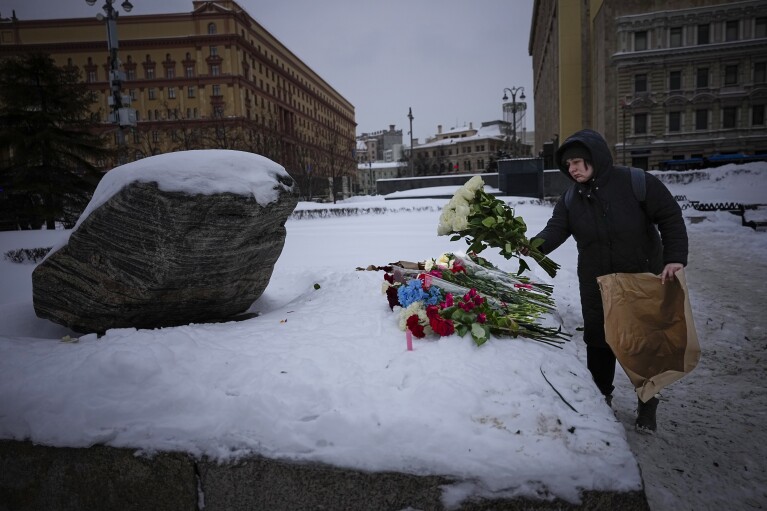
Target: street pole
[513, 92]
[410, 160]
[122, 114]
[623, 107]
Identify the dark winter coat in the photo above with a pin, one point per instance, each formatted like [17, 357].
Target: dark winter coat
[614, 232]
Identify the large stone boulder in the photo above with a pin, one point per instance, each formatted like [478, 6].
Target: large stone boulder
[174, 239]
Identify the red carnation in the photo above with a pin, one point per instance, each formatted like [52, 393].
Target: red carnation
[441, 325]
[415, 327]
[457, 266]
[388, 277]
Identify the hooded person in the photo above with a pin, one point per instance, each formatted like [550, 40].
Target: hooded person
[614, 233]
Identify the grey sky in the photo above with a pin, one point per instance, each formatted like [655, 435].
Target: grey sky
[447, 59]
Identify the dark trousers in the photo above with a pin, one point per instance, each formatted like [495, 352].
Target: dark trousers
[601, 363]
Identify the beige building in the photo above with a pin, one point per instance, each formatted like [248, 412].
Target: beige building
[461, 150]
[369, 173]
[209, 78]
[669, 83]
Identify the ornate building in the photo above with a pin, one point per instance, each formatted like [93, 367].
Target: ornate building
[210, 78]
[669, 83]
[462, 150]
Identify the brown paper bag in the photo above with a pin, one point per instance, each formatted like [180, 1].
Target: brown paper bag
[650, 328]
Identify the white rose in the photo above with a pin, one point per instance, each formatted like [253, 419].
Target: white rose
[474, 184]
[460, 224]
[443, 261]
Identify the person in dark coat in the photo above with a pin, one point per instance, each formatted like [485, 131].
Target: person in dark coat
[614, 233]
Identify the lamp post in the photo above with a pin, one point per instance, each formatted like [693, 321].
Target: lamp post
[624, 106]
[122, 114]
[410, 159]
[513, 92]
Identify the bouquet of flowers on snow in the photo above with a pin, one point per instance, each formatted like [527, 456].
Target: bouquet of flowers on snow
[466, 294]
[486, 221]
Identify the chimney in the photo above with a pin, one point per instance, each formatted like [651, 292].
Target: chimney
[439, 129]
[471, 125]
[391, 127]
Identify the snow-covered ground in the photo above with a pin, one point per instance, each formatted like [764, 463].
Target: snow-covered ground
[324, 374]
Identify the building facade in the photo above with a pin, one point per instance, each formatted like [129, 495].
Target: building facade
[209, 78]
[461, 150]
[379, 143]
[369, 173]
[670, 84]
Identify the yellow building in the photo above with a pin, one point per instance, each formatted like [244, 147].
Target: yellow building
[669, 83]
[210, 78]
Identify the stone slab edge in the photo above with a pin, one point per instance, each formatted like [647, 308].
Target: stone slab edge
[35, 477]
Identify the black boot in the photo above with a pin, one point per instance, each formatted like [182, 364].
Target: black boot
[646, 415]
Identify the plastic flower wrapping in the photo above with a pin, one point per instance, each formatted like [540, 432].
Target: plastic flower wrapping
[457, 293]
[485, 221]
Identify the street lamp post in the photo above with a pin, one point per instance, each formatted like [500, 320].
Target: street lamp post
[513, 92]
[122, 114]
[624, 106]
[410, 159]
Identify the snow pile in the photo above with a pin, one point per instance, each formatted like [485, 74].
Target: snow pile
[323, 373]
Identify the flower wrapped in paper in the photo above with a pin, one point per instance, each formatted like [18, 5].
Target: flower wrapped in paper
[462, 294]
[484, 221]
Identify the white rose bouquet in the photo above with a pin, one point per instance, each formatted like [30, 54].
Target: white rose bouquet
[485, 222]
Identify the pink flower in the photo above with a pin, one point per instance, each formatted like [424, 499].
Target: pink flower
[481, 317]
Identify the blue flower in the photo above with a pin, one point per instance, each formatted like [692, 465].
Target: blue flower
[413, 292]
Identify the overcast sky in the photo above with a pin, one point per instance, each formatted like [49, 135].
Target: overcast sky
[449, 60]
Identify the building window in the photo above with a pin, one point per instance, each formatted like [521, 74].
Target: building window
[701, 119]
[640, 124]
[170, 72]
[213, 51]
[729, 117]
[189, 71]
[757, 115]
[731, 75]
[216, 90]
[190, 91]
[215, 70]
[152, 93]
[675, 80]
[760, 27]
[731, 30]
[171, 92]
[701, 78]
[675, 37]
[640, 83]
[130, 74]
[703, 33]
[760, 72]
[211, 28]
[155, 136]
[136, 138]
[91, 76]
[149, 73]
[674, 122]
[640, 40]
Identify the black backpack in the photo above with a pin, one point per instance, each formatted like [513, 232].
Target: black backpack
[638, 184]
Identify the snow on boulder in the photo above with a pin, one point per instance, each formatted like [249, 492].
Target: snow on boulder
[178, 238]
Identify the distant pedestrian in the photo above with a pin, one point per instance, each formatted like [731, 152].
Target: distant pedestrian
[615, 233]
